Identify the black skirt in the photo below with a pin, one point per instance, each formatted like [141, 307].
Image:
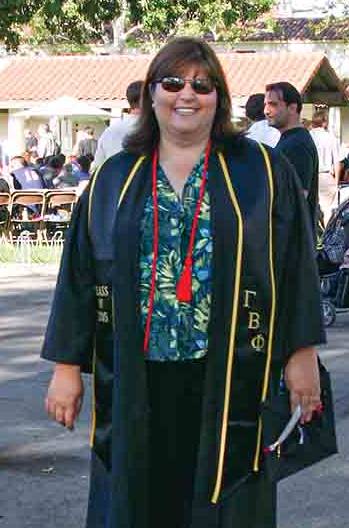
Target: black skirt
[175, 392]
[175, 397]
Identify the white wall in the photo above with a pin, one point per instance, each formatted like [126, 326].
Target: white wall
[345, 125]
[3, 126]
[311, 8]
[16, 144]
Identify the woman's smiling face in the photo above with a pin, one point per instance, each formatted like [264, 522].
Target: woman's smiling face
[185, 113]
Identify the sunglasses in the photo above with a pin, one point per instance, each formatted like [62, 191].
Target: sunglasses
[202, 86]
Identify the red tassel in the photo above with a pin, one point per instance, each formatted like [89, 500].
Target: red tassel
[184, 288]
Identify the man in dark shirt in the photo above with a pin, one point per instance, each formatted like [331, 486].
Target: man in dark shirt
[282, 108]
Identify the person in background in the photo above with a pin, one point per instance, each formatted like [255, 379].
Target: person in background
[282, 108]
[84, 164]
[88, 145]
[66, 178]
[27, 158]
[260, 130]
[27, 179]
[52, 169]
[24, 177]
[4, 185]
[80, 135]
[73, 172]
[184, 251]
[34, 161]
[110, 141]
[4, 212]
[344, 164]
[31, 141]
[307, 123]
[72, 158]
[329, 161]
[47, 145]
[4, 156]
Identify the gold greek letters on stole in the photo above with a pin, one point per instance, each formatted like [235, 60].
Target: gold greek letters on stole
[254, 320]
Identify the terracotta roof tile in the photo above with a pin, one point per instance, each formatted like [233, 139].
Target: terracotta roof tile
[95, 78]
[105, 79]
[300, 29]
[249, 73]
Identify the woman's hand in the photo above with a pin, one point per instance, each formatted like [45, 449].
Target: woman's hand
[303, 381]
[65, 394]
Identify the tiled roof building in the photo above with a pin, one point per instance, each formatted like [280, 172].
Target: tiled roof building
[292, 29]
[103, 80]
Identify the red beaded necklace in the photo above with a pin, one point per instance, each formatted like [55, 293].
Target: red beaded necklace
[184, 284]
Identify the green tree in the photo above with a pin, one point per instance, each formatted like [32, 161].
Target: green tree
[13, 14]
[80, 21]
[219, 17]
[54, 20]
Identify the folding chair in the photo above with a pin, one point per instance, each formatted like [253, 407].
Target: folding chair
[26, 213]
[5, 200]
[58, 210]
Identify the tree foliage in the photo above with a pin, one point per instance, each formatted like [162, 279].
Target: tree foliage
[80, 21]
[54, 20]
[220, 17]
[13, 14]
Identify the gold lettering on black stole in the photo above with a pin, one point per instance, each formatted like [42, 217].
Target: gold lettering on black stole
[257, 341]
[270, 316]
[103, 298]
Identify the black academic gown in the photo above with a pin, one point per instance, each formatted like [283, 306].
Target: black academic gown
[265, 305]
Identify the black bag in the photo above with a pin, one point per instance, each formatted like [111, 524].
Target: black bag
[307, 444]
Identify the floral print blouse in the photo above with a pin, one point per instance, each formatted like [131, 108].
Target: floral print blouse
[178, 329]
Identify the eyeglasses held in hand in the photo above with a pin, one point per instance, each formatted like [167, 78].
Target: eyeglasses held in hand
[202, 86]
[291, 424]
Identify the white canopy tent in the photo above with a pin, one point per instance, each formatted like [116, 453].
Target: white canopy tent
[64, 107]
[60, 111]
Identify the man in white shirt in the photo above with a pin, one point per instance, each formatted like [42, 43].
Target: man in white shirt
[47, 145]
[329, 157]
[110, 142]
[260, 130]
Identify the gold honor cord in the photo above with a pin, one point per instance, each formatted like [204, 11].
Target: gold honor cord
[123, 192]
[93, 420]
[90, 196]
[237, 281]
[130, 178]
[273, 303]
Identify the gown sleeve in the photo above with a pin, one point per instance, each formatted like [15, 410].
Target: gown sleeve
[299, 316]
[71, 327]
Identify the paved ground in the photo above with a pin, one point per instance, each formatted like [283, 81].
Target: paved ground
[44, 469]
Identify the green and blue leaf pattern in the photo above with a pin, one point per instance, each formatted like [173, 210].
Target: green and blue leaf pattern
[178, 330]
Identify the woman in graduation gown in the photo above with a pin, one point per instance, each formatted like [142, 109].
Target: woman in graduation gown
[187, 284]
